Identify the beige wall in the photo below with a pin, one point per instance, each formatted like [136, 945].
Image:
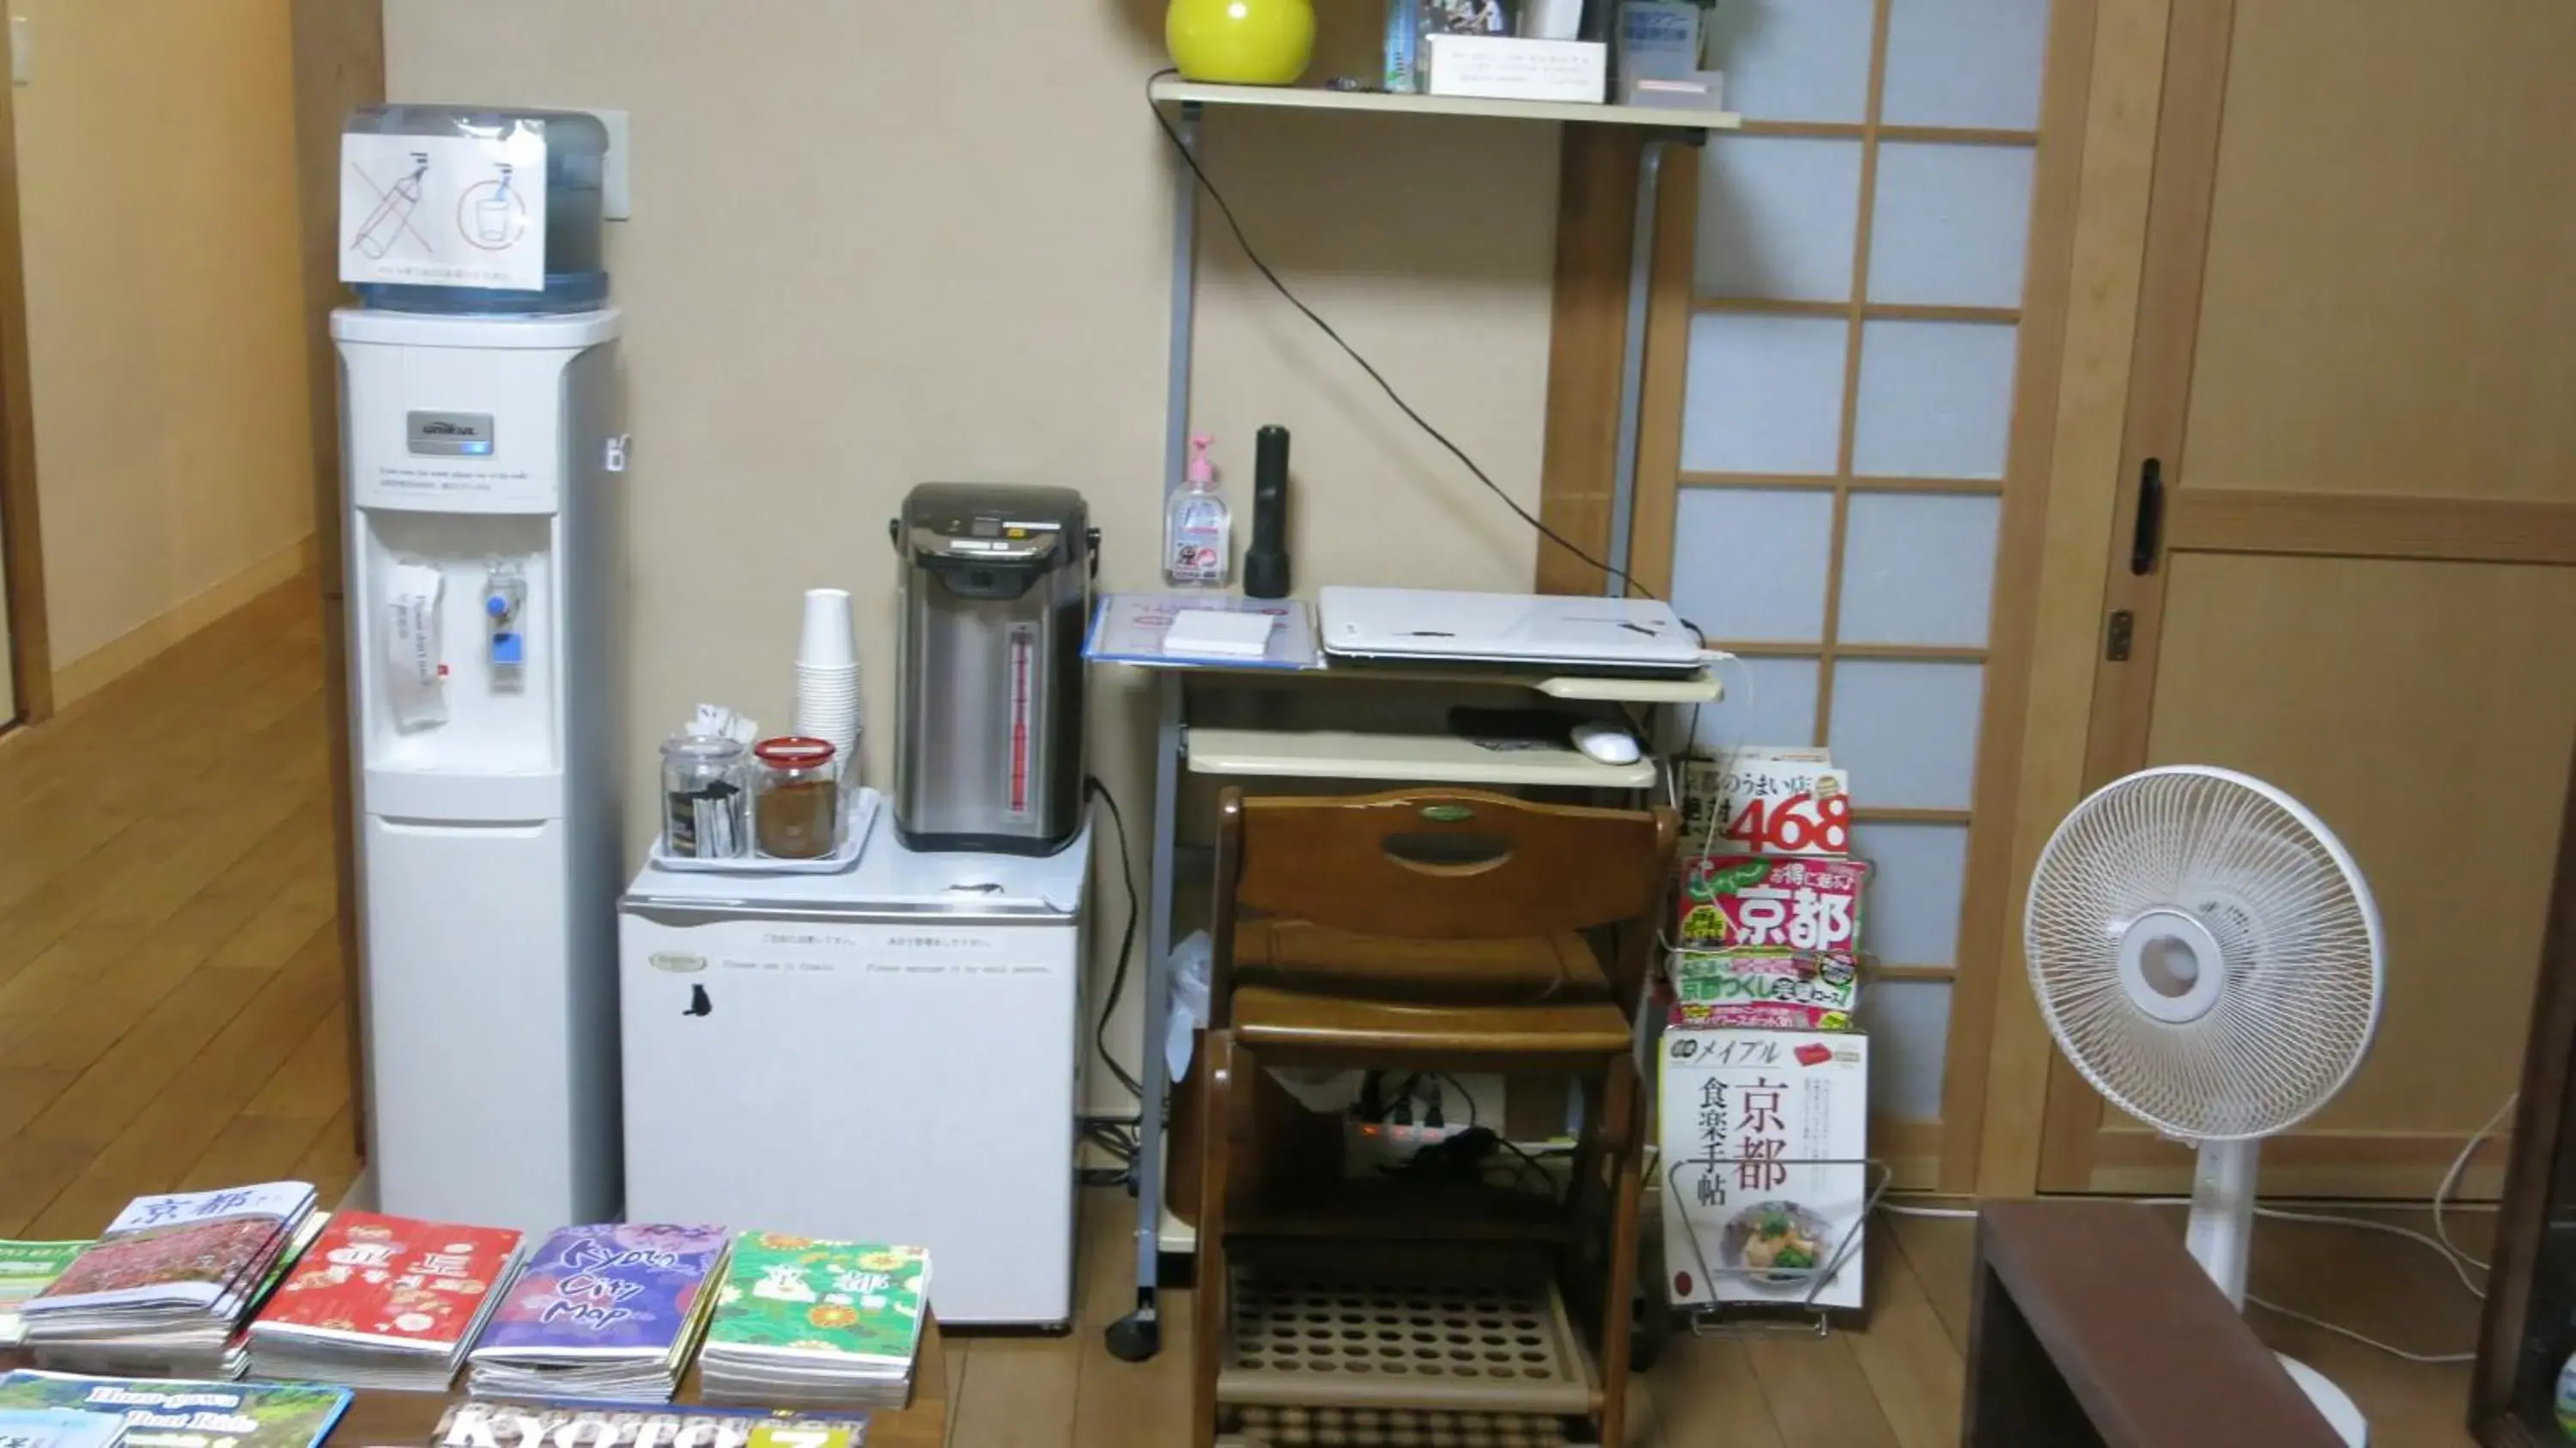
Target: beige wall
[880, 244]
[157, 193]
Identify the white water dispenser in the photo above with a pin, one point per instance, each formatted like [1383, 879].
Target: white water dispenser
[483, 600]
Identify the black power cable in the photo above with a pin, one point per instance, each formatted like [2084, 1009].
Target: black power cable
[1126, 944]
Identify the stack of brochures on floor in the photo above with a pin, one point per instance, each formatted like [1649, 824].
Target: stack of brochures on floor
[384, 1302]
[610, 1311]
[170, 1413]
[27, 1268]
[808, 1324]
[165, 1290]
[507, 1423]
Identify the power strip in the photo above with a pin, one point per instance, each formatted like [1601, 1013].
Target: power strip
[1374, 1148]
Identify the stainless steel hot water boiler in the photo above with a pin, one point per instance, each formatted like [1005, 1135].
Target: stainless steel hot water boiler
[996, 584]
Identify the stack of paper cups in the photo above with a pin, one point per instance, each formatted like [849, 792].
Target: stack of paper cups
[827, 676]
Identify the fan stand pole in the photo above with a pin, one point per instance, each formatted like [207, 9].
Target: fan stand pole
[2221, 1235]
[2221, 1239]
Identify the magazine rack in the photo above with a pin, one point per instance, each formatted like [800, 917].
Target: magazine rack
[1792, 1316]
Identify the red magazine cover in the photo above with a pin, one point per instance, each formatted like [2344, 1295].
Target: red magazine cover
[392, 1279]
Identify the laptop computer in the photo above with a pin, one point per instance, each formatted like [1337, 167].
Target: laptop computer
[1519, 631]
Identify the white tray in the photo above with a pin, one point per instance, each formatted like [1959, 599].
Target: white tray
[860, 805]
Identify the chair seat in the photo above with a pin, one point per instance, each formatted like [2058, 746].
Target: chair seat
[1267, 1018]
[1310, 959]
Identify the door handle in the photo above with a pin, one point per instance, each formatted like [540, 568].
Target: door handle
[2147, 536]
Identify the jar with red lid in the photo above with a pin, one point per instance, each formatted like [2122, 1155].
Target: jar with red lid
[796, 801]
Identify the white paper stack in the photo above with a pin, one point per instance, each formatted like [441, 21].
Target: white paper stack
[1210, 633]
[165, 1291]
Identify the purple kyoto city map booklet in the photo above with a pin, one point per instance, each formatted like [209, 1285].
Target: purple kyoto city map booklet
[614, 1288]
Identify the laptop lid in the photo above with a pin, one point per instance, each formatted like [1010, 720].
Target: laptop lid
[1505, 628]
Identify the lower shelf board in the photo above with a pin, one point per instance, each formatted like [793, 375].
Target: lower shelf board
[1395, 1428]
[1414, 758]
[1308, 1335]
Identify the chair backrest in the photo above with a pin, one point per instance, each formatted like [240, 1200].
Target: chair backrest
[1441, 864]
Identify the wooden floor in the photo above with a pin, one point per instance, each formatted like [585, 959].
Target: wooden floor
[1896, 1385]
[170, 975]
[171, 1015]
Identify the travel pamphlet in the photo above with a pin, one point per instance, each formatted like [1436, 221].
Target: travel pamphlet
[27, 1268]
[1767, 801]
[201, 1249]
[609, 1290]
[58, 1428]
[1803, 904]
[1764, 1138]
[175, 1413]
[487, 1423]
[609, 1312]
[795, 1296]
[396, 1281]
[1764, 985]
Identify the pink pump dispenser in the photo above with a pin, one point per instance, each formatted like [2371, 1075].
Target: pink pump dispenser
[1198, 527]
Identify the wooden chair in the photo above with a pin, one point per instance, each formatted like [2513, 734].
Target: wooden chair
[1439, 930]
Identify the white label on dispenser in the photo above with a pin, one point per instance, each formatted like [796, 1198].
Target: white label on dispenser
[1020, 656]
[444, 211]
[415, 675]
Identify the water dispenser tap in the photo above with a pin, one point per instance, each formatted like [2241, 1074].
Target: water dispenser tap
[505, 594]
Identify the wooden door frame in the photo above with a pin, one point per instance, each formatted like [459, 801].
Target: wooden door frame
[2106, 256]
[2540, 1126]
[2180, 197]
[2178, 212]
[339, 66]
[21, 536]
[1989, 919]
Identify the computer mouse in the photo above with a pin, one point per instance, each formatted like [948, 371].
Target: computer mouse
[1606, 743]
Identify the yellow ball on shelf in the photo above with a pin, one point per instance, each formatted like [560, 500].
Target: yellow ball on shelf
[1241, 42]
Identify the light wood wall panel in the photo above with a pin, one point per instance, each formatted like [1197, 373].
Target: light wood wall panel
[2398, 701]
[2355, 335]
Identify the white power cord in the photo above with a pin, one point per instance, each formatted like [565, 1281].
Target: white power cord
[2451, 1181]
[1717, 659]
[2427, 1359]
[2459, 1261]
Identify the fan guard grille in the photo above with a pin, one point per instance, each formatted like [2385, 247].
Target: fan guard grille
[2298, 997]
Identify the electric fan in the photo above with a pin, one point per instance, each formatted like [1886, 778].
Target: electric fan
[2208, 955]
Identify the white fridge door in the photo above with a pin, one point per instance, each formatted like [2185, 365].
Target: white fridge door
[904, 1083]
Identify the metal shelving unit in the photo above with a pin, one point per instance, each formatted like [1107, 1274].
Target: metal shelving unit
[1138, 1335]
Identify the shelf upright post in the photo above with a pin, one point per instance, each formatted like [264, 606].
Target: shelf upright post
[1185, 282]
[1632, 354]
[1138, 1335]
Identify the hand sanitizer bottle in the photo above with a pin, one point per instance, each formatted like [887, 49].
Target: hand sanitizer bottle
[1198, 528]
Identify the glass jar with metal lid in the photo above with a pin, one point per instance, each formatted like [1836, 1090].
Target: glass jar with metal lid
[706, 797]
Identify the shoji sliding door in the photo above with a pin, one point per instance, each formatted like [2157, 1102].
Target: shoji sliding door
[1846, 445]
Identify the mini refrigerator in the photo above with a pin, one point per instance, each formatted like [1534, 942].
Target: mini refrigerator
[887, 1055]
